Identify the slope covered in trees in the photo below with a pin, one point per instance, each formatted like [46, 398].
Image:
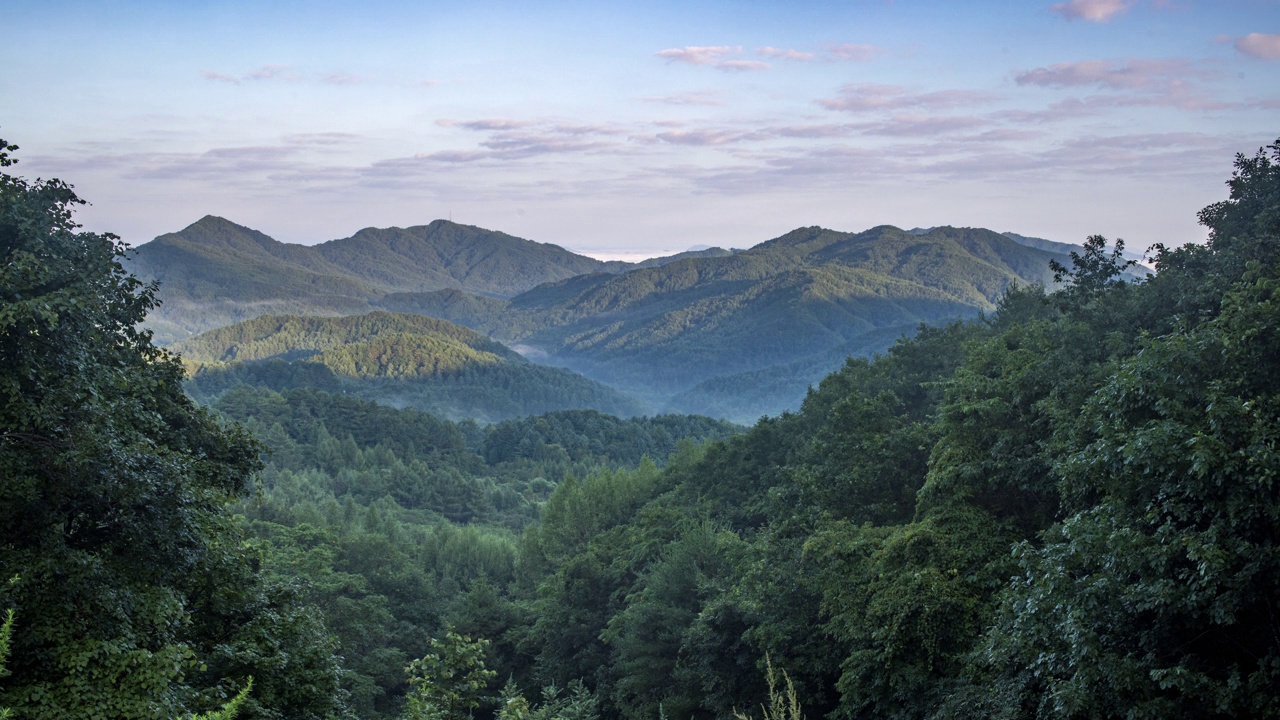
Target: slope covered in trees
[661, 327]
[401, 360]
[131, 588]
[1066, 508]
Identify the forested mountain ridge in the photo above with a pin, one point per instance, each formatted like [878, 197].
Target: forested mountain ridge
[399, 359]
[1066, 508]
[795, 297]
[215, 272]
[661, 328]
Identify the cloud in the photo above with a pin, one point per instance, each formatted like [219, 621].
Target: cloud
[426, 83]
[219, 77]
[704, 138]
[697, 55]
[266, 72]
[1132, 75]
[696, 97]
[866, 97]
[1098, 11]
[1265, 47]
[923, 126]
[712, 56]
[321, 138]
[488, 124]
[811, 131]
[340, 79]
[855, 53]
[742, 65]
[773, 52]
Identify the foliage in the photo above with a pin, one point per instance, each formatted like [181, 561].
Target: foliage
[780, 707]
[231, 709]
[576, 704]
[450, 681]
[113, 506]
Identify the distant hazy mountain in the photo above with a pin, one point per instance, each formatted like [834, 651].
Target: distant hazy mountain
[215, 272]
[1042, 244]
[793, 297]
[738, 332]
[398, 359]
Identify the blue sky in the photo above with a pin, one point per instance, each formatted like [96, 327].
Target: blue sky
[641, 128]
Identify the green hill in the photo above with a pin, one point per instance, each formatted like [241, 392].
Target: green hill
[660, 328]
[400, 360]
[215, 272]
[806, 293]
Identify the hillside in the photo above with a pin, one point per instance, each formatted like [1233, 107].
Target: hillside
[400, 360]
[215, 272]
[660, 328]
[795, 297]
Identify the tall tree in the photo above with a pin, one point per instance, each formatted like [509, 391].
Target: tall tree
[115, 484]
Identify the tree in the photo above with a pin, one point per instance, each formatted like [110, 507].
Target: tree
[450, 681]
[112, 509]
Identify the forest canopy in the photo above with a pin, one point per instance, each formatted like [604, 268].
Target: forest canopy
[1066, 508]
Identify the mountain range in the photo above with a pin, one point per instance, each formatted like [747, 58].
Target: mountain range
[738, 333]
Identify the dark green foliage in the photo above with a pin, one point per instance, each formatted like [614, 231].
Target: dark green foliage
[112, 508]
[1064, 509]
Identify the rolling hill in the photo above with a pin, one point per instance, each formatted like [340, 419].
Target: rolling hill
[397, 359]
[739, 332]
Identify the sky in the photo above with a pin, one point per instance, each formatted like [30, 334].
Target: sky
[635, 129]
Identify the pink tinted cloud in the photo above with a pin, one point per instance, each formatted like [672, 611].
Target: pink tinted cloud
[698, 97]
[266, 72]
[866, 97]
[703, 137]
[1131, 75]
[781, 54]
[487, 124]
[712, 56]
[697, 54]
[1265, 47]
[855, 53]
[1098, 11]
[742, 65]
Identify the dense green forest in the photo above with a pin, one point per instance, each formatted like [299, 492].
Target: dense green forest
[1065, 508]
[403, 360]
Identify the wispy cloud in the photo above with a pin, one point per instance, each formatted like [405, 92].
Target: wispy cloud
[742, 65]
[321, 138]
[781, 54]
[1098, 11]
[712, 56]
[1177, 83]
[266, 72]
[865, 97]
[1130, 75]
[340, 79]
[924, 126]
[487, 124]
[698, 54]
[1265, 47]
[704, 137]
[855, 53]
[696, 97]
